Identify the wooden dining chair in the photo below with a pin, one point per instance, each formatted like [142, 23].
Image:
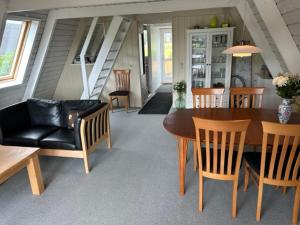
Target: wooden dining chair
[122, 80]
[246, 97]
[280, 167]
[220, 163]
[206, 98]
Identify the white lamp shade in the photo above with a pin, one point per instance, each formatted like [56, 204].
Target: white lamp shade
[242, 50]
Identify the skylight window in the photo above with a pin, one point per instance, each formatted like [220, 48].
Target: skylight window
[12, 46]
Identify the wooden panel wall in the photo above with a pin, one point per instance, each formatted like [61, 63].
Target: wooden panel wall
[56, 57]
[11, 95]
[180, 24]
[290, 11]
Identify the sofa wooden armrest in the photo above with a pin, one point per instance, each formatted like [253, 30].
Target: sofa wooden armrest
[93, 128]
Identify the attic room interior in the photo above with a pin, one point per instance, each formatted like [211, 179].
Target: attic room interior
[149, 112]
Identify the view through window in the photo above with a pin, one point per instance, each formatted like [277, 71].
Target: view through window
[12, 45]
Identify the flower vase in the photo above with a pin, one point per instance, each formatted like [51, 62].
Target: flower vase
[180, 100]
[285, 110]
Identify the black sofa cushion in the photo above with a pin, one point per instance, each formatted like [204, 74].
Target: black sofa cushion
[13, 118]
[76, 106]
[29, 137]
[60, 139]
[45, 112]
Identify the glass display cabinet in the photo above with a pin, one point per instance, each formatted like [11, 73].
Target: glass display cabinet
[207, 65]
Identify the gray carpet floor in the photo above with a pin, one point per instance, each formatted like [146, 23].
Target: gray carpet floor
[134, 183]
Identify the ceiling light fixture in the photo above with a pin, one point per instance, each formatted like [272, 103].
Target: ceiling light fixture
[243, 49]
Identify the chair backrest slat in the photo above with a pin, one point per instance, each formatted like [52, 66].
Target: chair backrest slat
[223, 148]
[222, 154]
[215, 149]
[282, 157]
[273, 156]
[122, 79]
[230, 153]
[246, 97]
[207, 146]
[291, 158]
[285, 156]
[207, 97]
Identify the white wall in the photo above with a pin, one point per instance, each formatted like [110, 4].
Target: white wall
[56, 57]
[11, 95]
[181, 21]
[70, 83]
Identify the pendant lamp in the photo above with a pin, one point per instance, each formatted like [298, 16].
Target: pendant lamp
[243, 49]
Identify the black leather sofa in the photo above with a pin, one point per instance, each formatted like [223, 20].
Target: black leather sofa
[71, 128]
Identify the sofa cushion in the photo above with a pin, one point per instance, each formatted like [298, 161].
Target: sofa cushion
[76, 106]
[45, 112]
[14, 118]
[29, 136]
[60, 139]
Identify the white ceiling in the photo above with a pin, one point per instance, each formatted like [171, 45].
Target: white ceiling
[25, 5]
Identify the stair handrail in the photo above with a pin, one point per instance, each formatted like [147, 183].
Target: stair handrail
[86, 89]
[105, 48]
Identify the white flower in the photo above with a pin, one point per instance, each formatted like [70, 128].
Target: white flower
[280, 81]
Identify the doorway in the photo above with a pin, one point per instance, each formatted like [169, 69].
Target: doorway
[166, 55]
[157, 66]
[156, 56]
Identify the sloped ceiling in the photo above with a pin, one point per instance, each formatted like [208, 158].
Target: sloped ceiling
[290, 11]
[22, 5]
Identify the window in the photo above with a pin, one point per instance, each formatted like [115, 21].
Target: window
[12, 47]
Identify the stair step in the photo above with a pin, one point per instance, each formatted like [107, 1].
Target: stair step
[97, 90]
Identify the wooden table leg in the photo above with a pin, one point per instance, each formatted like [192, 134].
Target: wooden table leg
[35, 176]
[182, 164]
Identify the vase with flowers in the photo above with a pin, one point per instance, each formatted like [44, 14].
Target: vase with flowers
[288, 87]
[180, 88]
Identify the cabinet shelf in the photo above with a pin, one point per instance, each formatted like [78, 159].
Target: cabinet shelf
[207, 63]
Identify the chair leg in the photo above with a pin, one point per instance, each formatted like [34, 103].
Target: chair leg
[284, 189]
[111, 104]
[200, 192]
[296, 205]
[246, 179]
[234, 198]
[127, 103]
[259, 200]
[118, 102]
[86, 162]
[195, 156]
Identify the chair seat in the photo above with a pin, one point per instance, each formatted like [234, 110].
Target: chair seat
[234, 158]
[119, 93]
[253, 160]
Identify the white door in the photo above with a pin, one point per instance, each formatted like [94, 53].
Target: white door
[166, 55]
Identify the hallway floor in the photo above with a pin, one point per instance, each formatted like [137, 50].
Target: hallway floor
[134, 183]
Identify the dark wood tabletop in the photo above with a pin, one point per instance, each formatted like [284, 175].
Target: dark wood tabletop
[180, 123]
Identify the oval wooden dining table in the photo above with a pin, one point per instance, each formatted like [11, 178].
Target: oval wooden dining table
[180, 124]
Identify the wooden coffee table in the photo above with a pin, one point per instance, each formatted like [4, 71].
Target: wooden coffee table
[13, 159]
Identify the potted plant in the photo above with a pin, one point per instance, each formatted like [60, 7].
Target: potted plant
[180, 88]
[288, 87]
